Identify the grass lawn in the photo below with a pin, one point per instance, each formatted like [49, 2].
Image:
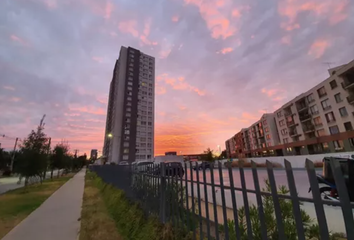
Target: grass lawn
[96, 222]
[17, 204]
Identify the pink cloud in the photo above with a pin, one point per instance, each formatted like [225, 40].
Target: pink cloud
[175, 18]
[98, 59]
[286, 40]
[180, 84]
[270, 92]
[225, 50]
[236, 13]
[164, 53]
[19, 40]
[108, 10]
[88, 109]
[335, 11]
[215, 15]
[9, 88]
[129, 27]
[15, 99]
[51, 4]
[160, 90]
[318, 48]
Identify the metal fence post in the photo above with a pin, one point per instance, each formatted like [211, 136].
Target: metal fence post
[274, 192]
[259, 201]
[343, 197]
[163, 193]
[295, 200]
[321, 217]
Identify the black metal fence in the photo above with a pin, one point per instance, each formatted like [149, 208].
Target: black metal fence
[208, 203]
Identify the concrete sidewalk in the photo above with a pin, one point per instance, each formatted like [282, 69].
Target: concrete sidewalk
[57, 218]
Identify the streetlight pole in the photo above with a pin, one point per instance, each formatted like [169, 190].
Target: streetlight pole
[13, 156]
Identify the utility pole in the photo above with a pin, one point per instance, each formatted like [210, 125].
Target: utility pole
[48, 151]
[13, 156]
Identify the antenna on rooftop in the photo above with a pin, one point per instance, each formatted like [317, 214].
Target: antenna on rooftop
[329, 64]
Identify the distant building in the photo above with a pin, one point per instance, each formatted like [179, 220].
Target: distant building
[194, 157]
[93, 155]
[129, 134]
[170, 153]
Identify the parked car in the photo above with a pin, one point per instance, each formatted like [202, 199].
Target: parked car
[123, 163]
[142, 166]
[171, 169]
[203, 165]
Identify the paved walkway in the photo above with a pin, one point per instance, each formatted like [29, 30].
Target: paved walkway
[57, 218]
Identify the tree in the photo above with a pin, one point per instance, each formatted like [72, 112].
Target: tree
[223, 155]
[5, 159]
[208, 155]
[58, 159]
[32, 160]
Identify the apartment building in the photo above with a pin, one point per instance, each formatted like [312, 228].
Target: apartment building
[129, 134]
[230, 147]
[317, 121]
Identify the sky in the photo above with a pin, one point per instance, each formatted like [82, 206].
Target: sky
[220, 64]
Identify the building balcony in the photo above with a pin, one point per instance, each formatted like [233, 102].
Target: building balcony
[346, 85]
[294, 134]
[350, 99]
[286, 114]
[306, 117]
[302, 108]
[322, 95]
[290, 124]
[319, 125]
[309, 129]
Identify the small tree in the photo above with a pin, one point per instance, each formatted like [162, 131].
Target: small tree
[208, 155]
[33, 154]
[59, 157]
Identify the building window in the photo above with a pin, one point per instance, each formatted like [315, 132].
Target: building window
[343, 112]
[348, 126]
[310, 98]
[285, 140]
[266, 129]
[351, 141]
[321, 132]
[126, 137]
[338, 98]
[333, 84]
[334, 130]
[125, 157]
[127, 120]
[126, 150]
[126, 132]
[279, 114]
[129, 104]
[149, 123]
[330, 117]
[284, 131]
[321, 92]
[128, 115]
[268, 136]
[126, 144]
[129, 98]
[129, 93]
[317, 121]
[130, 88]
[130, 83]
[338, 144]
[264, 122]
[128, 109]
[314, 109]
[281, 122]
[325, 105]
[325, 146]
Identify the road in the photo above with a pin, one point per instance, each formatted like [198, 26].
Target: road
[10, 183]
[334, 214]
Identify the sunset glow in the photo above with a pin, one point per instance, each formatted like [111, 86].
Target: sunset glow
[220, 64]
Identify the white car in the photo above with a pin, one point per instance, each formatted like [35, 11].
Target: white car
[123, 163]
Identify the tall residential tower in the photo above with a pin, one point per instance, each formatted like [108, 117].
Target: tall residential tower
[129, 134]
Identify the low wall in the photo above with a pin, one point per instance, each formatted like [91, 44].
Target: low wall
[299, 161]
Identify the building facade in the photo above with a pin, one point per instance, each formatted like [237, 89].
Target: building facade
[93, 154]
[129, 134]
[317, 121]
